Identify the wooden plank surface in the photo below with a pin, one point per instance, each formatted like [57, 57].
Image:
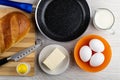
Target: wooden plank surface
[29, 40]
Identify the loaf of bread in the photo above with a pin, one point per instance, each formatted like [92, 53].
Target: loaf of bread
[13, 28]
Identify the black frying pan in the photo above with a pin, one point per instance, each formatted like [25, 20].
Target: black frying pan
[60, 20]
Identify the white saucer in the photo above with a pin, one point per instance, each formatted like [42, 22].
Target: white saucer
[46, 52]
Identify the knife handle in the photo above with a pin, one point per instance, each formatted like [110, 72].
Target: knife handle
[4, 60]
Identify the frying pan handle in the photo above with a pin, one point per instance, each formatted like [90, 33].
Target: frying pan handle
[23, 6]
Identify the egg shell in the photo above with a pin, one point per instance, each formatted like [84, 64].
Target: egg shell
[97, 59]
[96, 45]
[85, 53]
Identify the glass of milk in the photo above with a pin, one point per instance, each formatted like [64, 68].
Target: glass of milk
[104, 20]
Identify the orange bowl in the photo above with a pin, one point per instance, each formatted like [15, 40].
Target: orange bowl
[85, 65]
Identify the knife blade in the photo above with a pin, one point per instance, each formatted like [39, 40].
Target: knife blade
[19, 55]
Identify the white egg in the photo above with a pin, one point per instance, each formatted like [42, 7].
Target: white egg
[97, 59]
[85, 53]
[96, 45]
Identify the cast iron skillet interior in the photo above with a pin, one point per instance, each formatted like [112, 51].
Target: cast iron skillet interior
[63, 20]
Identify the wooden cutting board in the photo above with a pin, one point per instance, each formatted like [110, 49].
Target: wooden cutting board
[10, 68]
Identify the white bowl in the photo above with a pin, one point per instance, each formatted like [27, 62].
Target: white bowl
[46, 52]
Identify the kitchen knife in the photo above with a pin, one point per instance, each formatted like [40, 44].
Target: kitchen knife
[19, 55]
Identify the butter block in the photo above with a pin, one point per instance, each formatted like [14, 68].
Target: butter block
[54, 59]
